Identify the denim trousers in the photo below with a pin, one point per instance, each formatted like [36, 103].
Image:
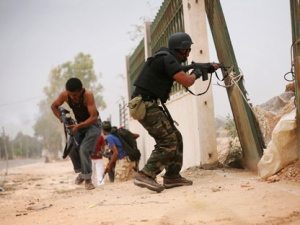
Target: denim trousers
[80, 156]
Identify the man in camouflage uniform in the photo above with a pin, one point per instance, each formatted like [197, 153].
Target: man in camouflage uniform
[154, 83]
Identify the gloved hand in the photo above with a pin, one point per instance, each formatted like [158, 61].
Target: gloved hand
[197, 72]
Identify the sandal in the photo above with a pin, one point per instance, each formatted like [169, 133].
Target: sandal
[89, 185]
[79, 180]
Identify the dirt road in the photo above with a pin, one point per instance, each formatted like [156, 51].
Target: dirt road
[13, 163]
[44, 193]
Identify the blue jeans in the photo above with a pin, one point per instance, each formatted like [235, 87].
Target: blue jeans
[80, 156]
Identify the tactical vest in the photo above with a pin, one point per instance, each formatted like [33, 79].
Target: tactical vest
[153, 77]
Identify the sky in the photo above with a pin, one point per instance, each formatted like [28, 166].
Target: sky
[39, 35]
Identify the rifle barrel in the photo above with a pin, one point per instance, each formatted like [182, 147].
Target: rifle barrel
[208, 65]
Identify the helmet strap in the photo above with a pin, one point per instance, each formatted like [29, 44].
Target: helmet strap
[184, 54]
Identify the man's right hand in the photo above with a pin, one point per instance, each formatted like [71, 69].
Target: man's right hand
[73, 127]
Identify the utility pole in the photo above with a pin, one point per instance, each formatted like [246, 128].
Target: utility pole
[5, 148]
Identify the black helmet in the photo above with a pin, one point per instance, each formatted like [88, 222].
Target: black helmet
[180, 40]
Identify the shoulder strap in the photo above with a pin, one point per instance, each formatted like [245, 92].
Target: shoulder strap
[162, 53]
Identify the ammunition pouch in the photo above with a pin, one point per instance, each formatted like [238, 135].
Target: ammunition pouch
[137, 108]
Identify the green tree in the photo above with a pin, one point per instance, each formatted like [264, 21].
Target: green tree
[4, 143]
[137, 32]
[47, 126]
[25, 146]
[230, 127]
[234, 155]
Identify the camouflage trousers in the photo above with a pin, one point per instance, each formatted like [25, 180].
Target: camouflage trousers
[167, 153]
[124, 170]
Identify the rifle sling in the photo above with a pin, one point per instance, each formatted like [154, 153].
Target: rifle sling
[166, 111]
[207, 86]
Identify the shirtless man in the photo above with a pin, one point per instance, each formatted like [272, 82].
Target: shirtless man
[86, 131]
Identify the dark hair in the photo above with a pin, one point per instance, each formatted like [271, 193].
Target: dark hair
[73, 84]
[106, 126]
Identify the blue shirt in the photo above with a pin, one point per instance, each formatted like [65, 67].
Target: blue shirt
[114, 140]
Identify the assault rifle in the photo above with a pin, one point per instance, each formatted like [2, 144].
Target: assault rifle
[102, 177]
[67, 120]
[204, 67]
[107, 153]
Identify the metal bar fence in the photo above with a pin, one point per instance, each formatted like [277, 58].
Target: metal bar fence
[168, 20]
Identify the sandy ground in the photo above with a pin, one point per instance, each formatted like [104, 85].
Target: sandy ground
[44, 193]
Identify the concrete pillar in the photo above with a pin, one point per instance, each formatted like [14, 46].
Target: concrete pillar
[195, 25]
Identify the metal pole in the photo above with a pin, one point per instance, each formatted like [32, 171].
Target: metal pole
[246, 124]
[295, 22]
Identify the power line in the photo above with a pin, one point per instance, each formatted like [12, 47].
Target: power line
[20, 101]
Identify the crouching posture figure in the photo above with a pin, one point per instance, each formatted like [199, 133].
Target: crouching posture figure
[86, 131]
[154, 83]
